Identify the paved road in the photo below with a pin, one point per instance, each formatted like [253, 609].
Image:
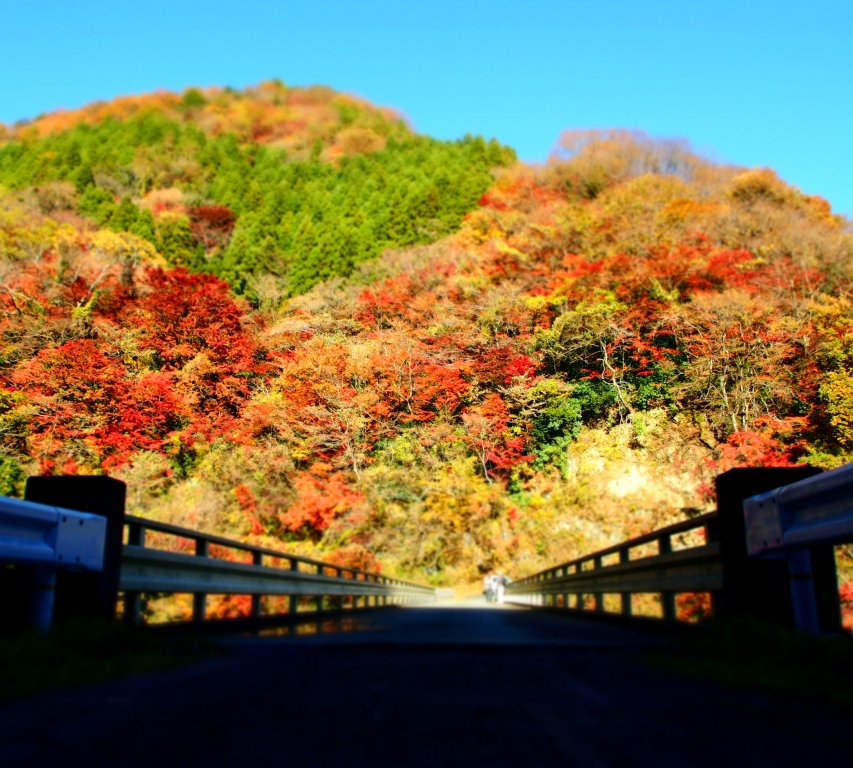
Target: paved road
[433, 687]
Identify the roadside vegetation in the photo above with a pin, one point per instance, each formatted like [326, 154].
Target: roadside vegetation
[280, 315]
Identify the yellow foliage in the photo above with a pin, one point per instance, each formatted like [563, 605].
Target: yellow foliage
[683, 209]
[833, 319]
[355, 140]
[763, 184]
[540, 303]
[837, 390]
[66, 240]
[759, 184]
[21, 239]
[124, 245]
[462, 498]
[503, 247]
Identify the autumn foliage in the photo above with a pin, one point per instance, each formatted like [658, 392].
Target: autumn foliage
[566, 359]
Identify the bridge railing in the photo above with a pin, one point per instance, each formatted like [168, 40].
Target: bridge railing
[139, 559]
[768, 553]
[221, 566]
[49, 539]
[798, 522]
[685, 559]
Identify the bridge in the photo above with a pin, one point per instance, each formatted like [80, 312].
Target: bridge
[387, 675]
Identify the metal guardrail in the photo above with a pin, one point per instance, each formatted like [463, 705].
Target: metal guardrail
[765, 553]
[791, 522]
[816, 510]
[676, 567]
[49, 538]
[148, 570]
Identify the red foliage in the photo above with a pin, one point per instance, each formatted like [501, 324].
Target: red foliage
[490, 438]
[497, 366]
[410, 386]
[182, 314]
[192, 319]
[211, 224]
[436, 388]
[391, 300]
[520, 192]
[228, 607]
[754, 449]
[95, 406]
[91, 408]
[667, 273]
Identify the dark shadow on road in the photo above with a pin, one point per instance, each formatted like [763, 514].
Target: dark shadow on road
[429, 687]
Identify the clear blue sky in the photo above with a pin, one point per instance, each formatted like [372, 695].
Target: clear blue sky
[751, 82]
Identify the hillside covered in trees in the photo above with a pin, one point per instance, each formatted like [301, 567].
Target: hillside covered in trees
[281, 315]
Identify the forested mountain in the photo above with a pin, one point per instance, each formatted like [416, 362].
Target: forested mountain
[504, 365]
[272, 187]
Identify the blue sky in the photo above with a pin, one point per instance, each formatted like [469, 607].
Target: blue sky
[750, 82]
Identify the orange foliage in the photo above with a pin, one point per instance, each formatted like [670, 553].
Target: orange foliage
[693, 607]
[322, 497]
[249, 507]
[354, 556]
[581, 272]
[845, 594]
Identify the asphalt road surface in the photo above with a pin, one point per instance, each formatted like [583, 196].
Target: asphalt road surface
[434, 687]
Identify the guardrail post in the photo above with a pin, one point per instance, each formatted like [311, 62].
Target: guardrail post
[625, 597]
[759, 588]
[599, 596]
[44, 590]
[712, 535]
[293, 607]
[17, 585]
[667, 598]
[257, 559]
[318, 599]
[825, 587]
[95, 593]
[580, 599]
[338, 601]
[803, 596]
[133, 600]
[202, 549]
